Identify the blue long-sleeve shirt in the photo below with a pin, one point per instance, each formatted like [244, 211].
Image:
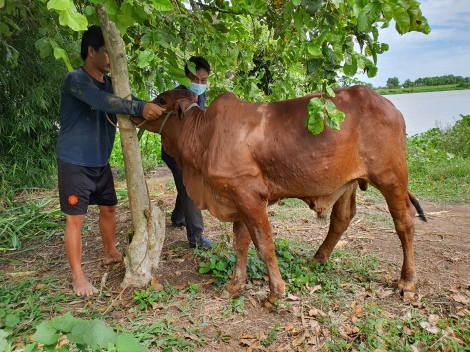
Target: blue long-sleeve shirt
[86, 137]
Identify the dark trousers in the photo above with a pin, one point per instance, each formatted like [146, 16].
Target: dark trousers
[185, 209]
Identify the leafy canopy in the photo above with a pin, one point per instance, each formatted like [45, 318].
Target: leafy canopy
[306, 44]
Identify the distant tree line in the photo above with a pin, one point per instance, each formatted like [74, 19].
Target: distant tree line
[393, 82]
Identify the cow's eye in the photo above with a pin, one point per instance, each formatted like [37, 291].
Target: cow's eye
[162, 101]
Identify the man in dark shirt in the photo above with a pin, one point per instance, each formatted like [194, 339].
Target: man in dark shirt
[85, 143]
[185, 212]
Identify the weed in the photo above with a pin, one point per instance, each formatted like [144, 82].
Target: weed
[271, 336]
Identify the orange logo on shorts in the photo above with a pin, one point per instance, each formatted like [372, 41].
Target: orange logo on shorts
[73, 199]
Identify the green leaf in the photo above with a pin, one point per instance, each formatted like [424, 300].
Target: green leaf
[2, 4]
[60, 53]
[128, 343]
[192, 67]
[368, 15]
[89, 10]
[334, 114]
[32, 347]
[65, 323]
[387, 11]
[401, 18]
[159, 81]
[102, 335]
[80, 333]
[296, 2]
[145, 58]
[11, 320]
[3, 334]
[125, 21]
[315, 116]
[350, 66]
[74, 20]
[46, 333]
[314, 50]
[59, 5]
[111, 8]
[162, 5]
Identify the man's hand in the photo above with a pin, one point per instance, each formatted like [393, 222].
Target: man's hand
[152, 111]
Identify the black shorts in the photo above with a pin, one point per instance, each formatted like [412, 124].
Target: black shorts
[80, 186]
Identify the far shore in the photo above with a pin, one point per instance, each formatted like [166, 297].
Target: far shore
[422, 89]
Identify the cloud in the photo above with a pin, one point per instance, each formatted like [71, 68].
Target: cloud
[444, 51]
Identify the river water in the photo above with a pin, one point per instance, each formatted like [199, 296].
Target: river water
[423, 111]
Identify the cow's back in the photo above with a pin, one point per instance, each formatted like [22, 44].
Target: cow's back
[271, 139]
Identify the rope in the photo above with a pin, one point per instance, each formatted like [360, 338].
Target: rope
[172, 112]
[121, 128]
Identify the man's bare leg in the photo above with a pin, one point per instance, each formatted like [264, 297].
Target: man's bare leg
[73, 248]
[108, 234]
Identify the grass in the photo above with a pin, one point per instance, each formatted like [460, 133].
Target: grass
[439, 164]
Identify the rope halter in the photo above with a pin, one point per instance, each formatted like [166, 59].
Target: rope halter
[173, 112]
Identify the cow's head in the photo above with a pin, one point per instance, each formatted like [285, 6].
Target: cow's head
[176, 100]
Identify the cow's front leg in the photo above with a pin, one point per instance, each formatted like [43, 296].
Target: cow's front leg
[241, 243]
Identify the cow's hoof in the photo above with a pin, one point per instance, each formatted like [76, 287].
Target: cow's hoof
[234, 289]
[318, 259]
[273, 298]
[406, 286]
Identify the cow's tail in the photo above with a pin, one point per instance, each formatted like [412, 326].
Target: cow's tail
[416, 204]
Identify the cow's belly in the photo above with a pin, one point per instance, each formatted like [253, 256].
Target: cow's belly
[216, 201]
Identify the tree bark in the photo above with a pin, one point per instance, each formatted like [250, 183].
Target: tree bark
[142, 254]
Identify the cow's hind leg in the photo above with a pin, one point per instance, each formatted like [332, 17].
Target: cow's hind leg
[343, 211]
[241, 243]
[401, 210]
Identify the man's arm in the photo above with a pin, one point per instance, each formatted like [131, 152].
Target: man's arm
[83, 88]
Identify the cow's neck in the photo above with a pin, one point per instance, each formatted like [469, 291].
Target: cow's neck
[180, 139]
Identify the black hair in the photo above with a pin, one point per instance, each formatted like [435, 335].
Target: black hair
[200, 62]
[93, 37]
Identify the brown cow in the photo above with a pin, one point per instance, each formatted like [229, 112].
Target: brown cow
[238, 157]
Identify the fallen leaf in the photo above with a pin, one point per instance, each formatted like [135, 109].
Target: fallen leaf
[344, 284]
[457, 340]
[433, 319]
[117, 265]
[192, 337]
[179, 260]
[247, 337]
[39, 286]
[341, 244]
[408, 332]
[292, 297]
[383, 294]
[298, 340]
[260, 335]
[460, 299]
[217, 295]
[428, 327]
[247, 342]
[253, 302]
[180, 287]
[225, 294]
[289, 326]
[315, 326]
[357, 309]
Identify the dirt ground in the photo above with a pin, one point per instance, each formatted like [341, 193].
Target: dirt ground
[442, 247]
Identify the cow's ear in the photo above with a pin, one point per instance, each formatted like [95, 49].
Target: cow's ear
[180, 110]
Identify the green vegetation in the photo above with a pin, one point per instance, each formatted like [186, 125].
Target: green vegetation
[447, 80]
[439, 163]
[422, 89]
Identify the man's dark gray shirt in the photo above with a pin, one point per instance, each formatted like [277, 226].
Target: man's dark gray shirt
[86, 137]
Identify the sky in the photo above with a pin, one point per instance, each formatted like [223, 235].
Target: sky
[444, 51]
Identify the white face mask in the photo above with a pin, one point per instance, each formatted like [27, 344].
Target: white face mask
[197, 88]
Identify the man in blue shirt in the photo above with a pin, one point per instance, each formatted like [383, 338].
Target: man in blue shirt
[85, 143]
[185, 212]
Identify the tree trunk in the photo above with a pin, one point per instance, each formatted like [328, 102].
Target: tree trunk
[142, 255]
